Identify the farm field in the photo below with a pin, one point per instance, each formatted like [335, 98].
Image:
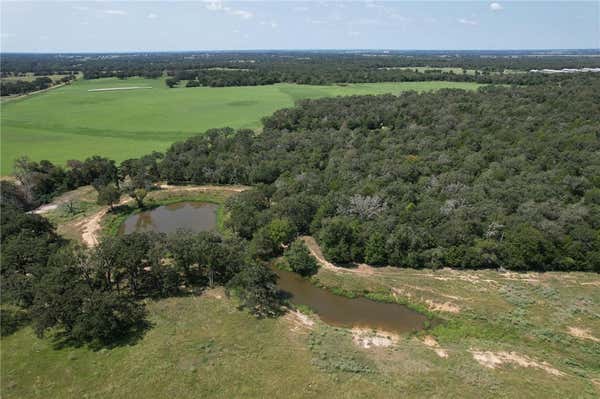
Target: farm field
[73, 123]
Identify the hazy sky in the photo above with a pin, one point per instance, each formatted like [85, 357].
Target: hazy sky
[76, 26]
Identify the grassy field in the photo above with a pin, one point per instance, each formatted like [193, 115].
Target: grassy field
[202, 346]
[72, 123]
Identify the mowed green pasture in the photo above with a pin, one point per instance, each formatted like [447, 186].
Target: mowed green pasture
[71, 122]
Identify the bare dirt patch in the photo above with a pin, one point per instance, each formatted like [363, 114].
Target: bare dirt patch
[594, 283]
[233, 189]
[299, 320]
[494, 360]
[432, 343]
[448, 307]
[366, 339]
[583, 333]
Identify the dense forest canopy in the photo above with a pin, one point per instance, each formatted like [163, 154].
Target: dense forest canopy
[502, 177]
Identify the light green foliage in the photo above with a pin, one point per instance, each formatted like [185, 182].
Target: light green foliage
[280, 231]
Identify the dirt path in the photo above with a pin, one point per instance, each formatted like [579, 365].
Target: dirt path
[91, 227]
[315, 250]
[74, 195]
[232, 189]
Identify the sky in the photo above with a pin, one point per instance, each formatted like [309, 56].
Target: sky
[121, 26]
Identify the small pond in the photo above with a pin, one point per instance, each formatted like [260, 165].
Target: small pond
[193, 216]
[332, 309]
[340, 311]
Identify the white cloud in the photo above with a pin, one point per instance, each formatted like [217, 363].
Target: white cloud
[80, 8]
[496, 7]
[152, 16]
[115, 12]
[7, 35]
[466, 21]
[217, 5]
[300, 9]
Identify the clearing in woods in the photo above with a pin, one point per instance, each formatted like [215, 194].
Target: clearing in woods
[72, 122]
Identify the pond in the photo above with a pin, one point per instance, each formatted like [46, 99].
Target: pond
[193, 216]
[333, 309]
[340, 311]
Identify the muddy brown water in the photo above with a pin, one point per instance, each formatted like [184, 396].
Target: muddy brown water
[193, 216]
[340, 311]
[333, 309]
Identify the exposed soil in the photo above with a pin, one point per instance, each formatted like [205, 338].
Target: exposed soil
[448, 307]
[298, 320]
[365, 338]
[431, 342]
[583, 333]
[494, 360]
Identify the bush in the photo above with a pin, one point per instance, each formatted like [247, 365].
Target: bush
[300, 259]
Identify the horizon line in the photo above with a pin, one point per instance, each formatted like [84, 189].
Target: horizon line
[306, 50]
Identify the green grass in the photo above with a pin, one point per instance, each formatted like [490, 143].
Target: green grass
[202, 346]
[71, 123]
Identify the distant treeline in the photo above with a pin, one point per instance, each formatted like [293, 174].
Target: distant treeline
[503, 177]
[16, 87]
[260, 68]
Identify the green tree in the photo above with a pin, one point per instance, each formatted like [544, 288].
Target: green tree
[375, 249]
[300, 260]
[139, 194]
[256, 287]
[108, 195]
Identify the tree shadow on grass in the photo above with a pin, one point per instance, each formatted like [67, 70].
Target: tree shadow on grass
[62, 340]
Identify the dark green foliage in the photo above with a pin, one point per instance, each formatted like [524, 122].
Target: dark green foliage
[27, 242]
[341, 239]
[40, 182]
[12, 319]
[13, 196]
[108, 195]
[244, 210]
[300, 260]
[206, 257]
[255, 285]
[68, 299]
[499, 177]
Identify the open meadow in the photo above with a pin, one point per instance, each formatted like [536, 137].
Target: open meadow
[71, 122]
